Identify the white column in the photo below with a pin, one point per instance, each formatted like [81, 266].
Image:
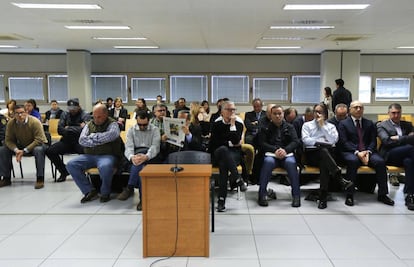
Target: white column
[78, 64]
[341, 64]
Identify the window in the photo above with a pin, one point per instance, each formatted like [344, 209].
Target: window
[236, 88]
[192, 88]
[392, 89]
[271, 88]
[104, 86]
[2, 96]
[306, 89]
[365, 89]
[24, 88]
[147, 88]
[58, 87]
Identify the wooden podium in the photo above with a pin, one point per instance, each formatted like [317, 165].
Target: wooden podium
[160, 214]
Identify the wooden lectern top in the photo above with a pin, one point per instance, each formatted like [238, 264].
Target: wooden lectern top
[155, 170]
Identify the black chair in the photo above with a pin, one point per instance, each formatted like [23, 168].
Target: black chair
[195, 157]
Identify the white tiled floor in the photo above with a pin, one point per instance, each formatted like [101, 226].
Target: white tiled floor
[49, 227]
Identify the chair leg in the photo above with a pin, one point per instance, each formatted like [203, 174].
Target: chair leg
[12, 169]
[21, 169]
[212, 195]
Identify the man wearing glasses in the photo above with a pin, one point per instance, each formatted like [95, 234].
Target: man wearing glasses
[142, 145]
[225, 149]
[358, 141]
[24, 136]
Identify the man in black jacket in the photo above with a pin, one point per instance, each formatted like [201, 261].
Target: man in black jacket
[278, 142]
[70, 126]
[397, 140]
[341, 94]
[251, 121]
[225, 149]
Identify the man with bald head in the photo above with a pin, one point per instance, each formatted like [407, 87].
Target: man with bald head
[103, 150]
[358, 143]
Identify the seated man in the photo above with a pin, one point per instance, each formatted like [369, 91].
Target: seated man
[251, 121]
[142, 145]
[69, 127]
[103, 150]
[319, 138]
[225, 149]
[24, 136]
[397, 147]
[358, 141]
[278, 142]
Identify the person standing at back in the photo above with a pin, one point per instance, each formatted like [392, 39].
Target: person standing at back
[341, 94]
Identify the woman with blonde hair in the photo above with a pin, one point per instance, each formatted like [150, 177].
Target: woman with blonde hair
[119, 113]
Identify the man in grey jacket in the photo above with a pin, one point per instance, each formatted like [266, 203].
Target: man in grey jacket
[142, 145]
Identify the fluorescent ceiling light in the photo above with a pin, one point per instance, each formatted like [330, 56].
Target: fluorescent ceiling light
[283, 38]
[326, 7]
[301, 27]
[278, 47]
[57, 6]
[119, 38]
[8, 46]
[135, 47]
[70, 27]
[405, 47]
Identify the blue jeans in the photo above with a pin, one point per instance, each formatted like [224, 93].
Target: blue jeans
[134, 178]
[288, 163]
[105, 164]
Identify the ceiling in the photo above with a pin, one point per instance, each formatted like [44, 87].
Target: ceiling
[208, 27]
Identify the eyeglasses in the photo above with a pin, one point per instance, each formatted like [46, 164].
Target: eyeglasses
[19, 113]
[230, 109]
[161, 110]
[142, 124]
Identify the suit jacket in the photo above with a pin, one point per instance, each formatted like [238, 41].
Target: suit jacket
[348, 135]
[251, 117]
[386, 129]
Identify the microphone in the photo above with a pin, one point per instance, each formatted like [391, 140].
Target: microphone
[177, 168]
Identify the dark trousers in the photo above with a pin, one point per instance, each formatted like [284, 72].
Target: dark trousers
[404, 156]
[61, 148]
[375, 161]
[226, 159]
[322, 158]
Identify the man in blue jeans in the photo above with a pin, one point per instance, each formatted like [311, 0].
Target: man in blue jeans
[142, 145]
[278, 140]
[103, 150]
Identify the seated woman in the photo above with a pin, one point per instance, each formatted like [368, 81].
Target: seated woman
[119, 113]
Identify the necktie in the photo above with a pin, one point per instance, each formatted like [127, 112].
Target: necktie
[361, 146]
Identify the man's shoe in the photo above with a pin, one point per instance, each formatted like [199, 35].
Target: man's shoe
[386, 200]
[104, 198]
[262, 201]
[394, 180]
[349, 200]
[241, 184]
[409, 201]
[5, 182]
[39, 184]
[126, 193]
[62, 177]
[323, 204]
[296, 202]
[89, 196]
[271, 194]
[221, 205]
[139, 206]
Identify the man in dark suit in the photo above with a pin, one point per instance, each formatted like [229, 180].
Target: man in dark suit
[341, 94]
[358, 141]
[251, 121]
[397, 139]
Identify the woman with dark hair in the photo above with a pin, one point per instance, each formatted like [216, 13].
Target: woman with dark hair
[327, 100]
[141, 104]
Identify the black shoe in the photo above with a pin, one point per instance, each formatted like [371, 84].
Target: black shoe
[89, 196]
[139, 206]
[104, 198]
[296, 202]
[5, 182]
[271, 194]
[386, 200]
[239, 183]
[262, 201]
[323, 204]
[221, 205]
[409, 201]
[62, 177]
[349, 200]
